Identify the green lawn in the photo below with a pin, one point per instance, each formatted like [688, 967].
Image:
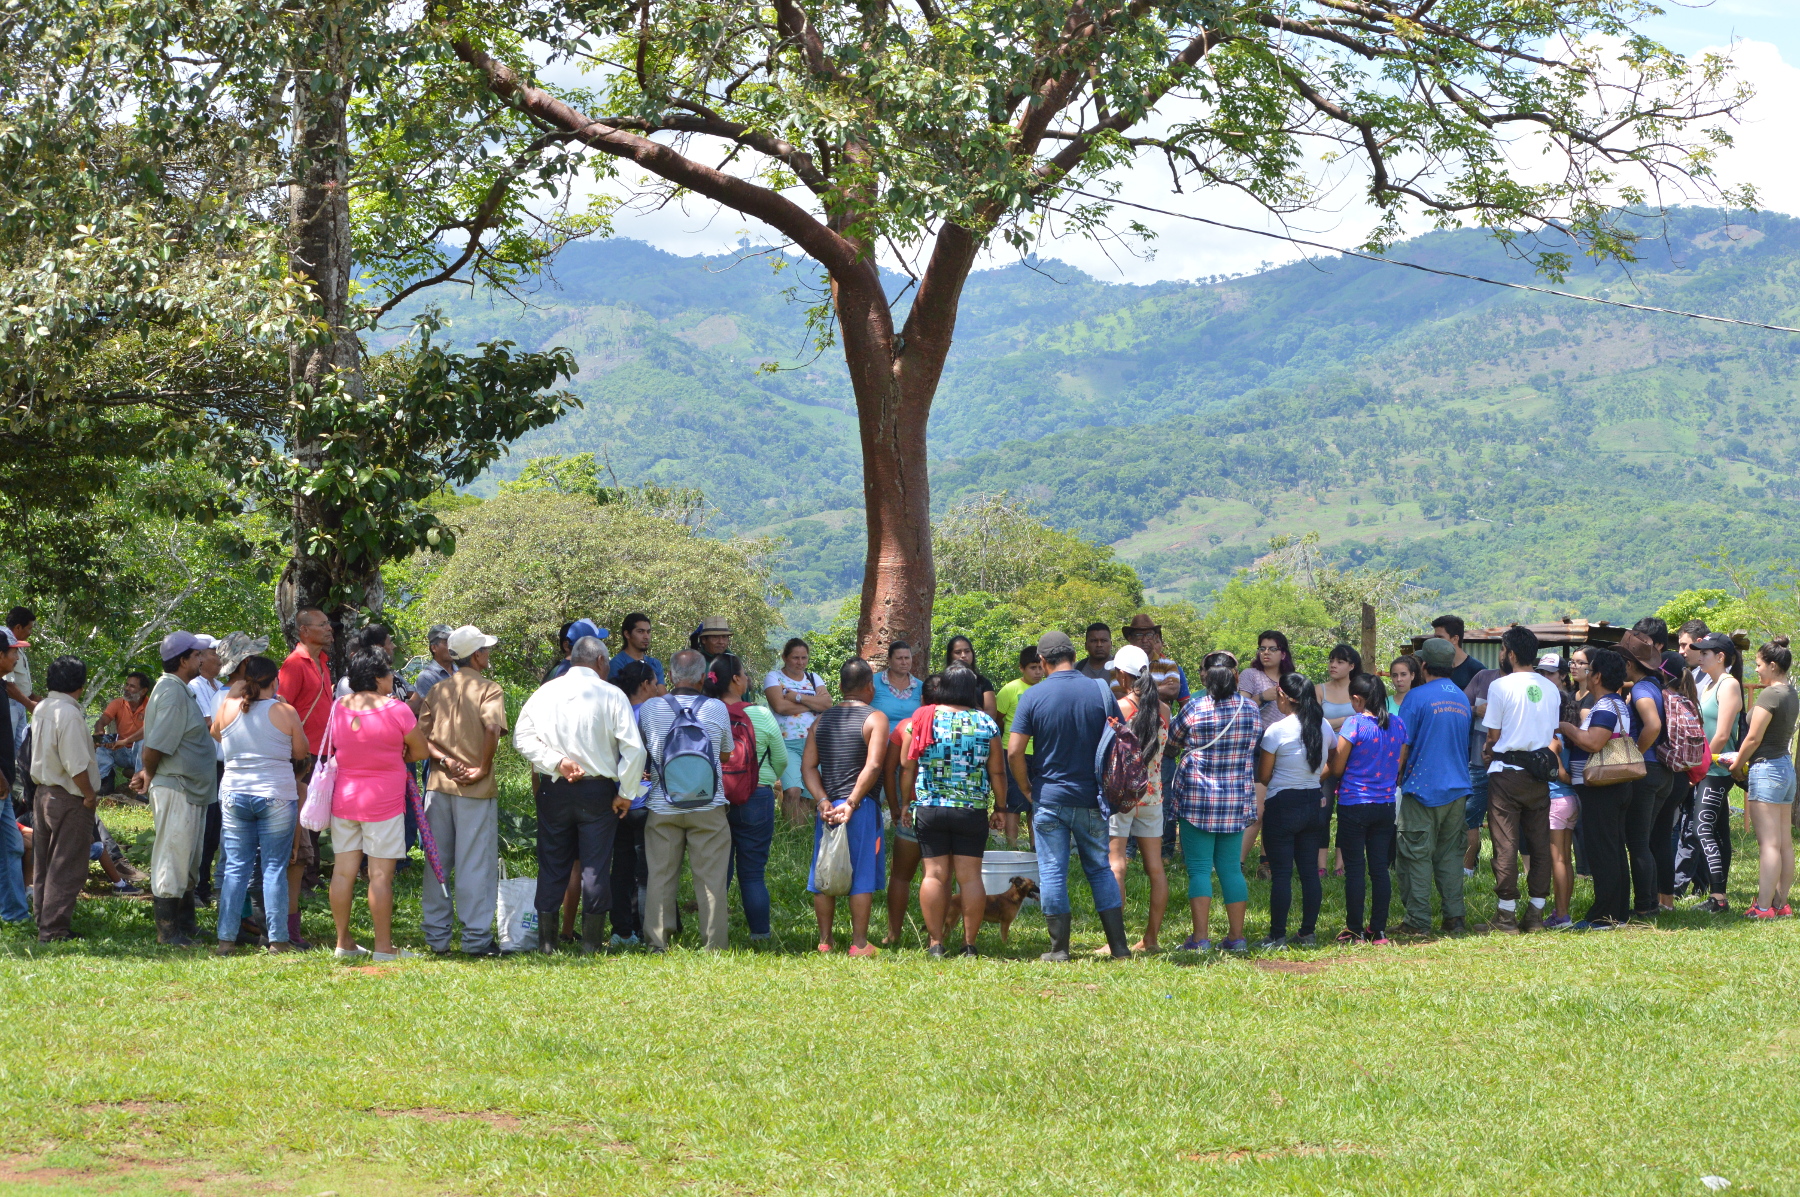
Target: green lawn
[1633, 1062]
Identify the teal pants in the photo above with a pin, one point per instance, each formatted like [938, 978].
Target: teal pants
[1204, 851]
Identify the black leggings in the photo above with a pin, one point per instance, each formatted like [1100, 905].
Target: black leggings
[630, 873]
[1367, 827]
[1295, 827]
[1712, 826]
[1650, 835]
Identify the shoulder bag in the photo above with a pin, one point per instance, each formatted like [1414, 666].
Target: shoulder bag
[315, 812]
[1620, 760]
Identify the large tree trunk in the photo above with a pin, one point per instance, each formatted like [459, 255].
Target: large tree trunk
[320, 253]
[895, 380]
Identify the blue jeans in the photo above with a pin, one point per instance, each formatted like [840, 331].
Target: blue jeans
[250, 822]
[1476, 809]
[1052, 829]
[752, 832]
[13, 908]
[127, 760]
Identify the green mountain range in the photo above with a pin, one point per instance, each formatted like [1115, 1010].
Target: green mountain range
[1527, 454]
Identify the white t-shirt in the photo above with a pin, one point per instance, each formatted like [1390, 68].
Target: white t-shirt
[1283, 739]
[207, 694]
[795, 727]
[1526, 708]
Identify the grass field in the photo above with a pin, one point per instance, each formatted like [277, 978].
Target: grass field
[1632, 1062]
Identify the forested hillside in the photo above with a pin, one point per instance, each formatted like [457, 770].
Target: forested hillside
[1517, 449]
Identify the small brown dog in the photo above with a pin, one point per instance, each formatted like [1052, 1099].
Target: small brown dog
[1002, 907]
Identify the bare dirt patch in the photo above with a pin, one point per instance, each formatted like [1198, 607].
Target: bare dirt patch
[371, 970]
[1293, 966]
[25, 1169]
[133, 1107]
[495, 1118]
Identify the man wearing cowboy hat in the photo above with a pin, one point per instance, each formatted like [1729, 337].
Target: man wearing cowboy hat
[713, 636]
[1171, 681]
[1652, 795]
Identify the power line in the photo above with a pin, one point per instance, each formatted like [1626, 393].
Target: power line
[1474, 278]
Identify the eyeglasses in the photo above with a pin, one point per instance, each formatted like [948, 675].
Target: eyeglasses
[1271, 649]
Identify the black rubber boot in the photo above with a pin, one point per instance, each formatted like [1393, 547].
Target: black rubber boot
[547, 926]
[189, 916]
[593, 932]
[1114, 922]
[168, 922]
[1059, 939]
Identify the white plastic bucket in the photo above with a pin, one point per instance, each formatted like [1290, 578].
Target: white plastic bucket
[999, 868]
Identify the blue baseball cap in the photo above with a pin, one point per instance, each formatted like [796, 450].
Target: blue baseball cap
[587, 627]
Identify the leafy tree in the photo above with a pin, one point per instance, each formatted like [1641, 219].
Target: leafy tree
[204, 207]
[933, 128]
[994, 544]
[531, 562]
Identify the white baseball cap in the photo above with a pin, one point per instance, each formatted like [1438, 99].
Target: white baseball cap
[202, 640]
[1550, 663]
[468, 640]
[1131, 661]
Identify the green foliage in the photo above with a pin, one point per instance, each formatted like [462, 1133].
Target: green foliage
[529, 562]
[1253, 602]
[994, 544]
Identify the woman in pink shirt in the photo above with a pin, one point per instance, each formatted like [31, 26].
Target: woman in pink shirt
[374, 735]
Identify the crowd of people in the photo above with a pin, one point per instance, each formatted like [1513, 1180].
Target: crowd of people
[1618, 762]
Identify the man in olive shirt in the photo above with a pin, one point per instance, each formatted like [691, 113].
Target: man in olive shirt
[179, 777]
[463, 717]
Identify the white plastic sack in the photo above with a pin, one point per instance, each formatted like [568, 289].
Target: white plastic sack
[515, 913]
[832, 870]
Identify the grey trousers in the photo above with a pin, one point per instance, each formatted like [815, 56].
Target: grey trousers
[705, 837]
[467, 832]
[1430, 845]
[180, 836]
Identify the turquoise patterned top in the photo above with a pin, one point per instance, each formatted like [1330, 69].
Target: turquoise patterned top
[953, 771]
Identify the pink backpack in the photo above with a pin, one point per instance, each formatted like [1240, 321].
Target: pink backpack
[1686, 746]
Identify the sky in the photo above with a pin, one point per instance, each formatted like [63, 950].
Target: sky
[1762, 37]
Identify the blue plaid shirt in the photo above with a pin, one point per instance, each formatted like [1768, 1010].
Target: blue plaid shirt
[1214, 786]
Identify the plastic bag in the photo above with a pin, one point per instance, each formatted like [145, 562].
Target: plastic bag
[832, 870]
[515, 913]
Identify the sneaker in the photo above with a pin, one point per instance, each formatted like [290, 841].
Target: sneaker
[935, 951]
[1195, 945]
[1273, 943]
[492, 950]
[1558, 922]
[349, 953]
[1759, 912]
[865, 950]
[1784, 911]
[396, 954]
[123, 887]
[1593, 925]
[1235, 946]
[969, 950]
[1716, 906]
[1349, 936]
[1309, 940]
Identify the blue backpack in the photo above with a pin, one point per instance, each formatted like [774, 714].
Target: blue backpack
[690, 759]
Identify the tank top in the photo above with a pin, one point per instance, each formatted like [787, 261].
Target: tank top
[837, 735]
[1709, 718]
[258, 755]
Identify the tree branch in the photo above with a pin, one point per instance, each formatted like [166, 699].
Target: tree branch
[835, 253]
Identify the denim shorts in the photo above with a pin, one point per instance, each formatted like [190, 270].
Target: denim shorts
[1772, 781]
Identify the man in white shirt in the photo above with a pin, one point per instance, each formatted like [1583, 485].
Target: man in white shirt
[578, 730]
[207, 690]
[1523, 709]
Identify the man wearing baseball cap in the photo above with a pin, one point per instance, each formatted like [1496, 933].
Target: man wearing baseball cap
[1434, 788]
[1063, 717]
[178, 776]
[462, 718]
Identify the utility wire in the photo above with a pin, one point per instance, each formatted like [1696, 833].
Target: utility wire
[1474, 278]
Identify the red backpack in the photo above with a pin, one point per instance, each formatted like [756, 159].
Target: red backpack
[743, 769]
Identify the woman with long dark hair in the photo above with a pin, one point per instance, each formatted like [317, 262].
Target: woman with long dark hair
[1291, 763]
[1721, 704]
[960, 650]
[1148, 716]
[1214, 796]
[1604, 809]
[1370, 750]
